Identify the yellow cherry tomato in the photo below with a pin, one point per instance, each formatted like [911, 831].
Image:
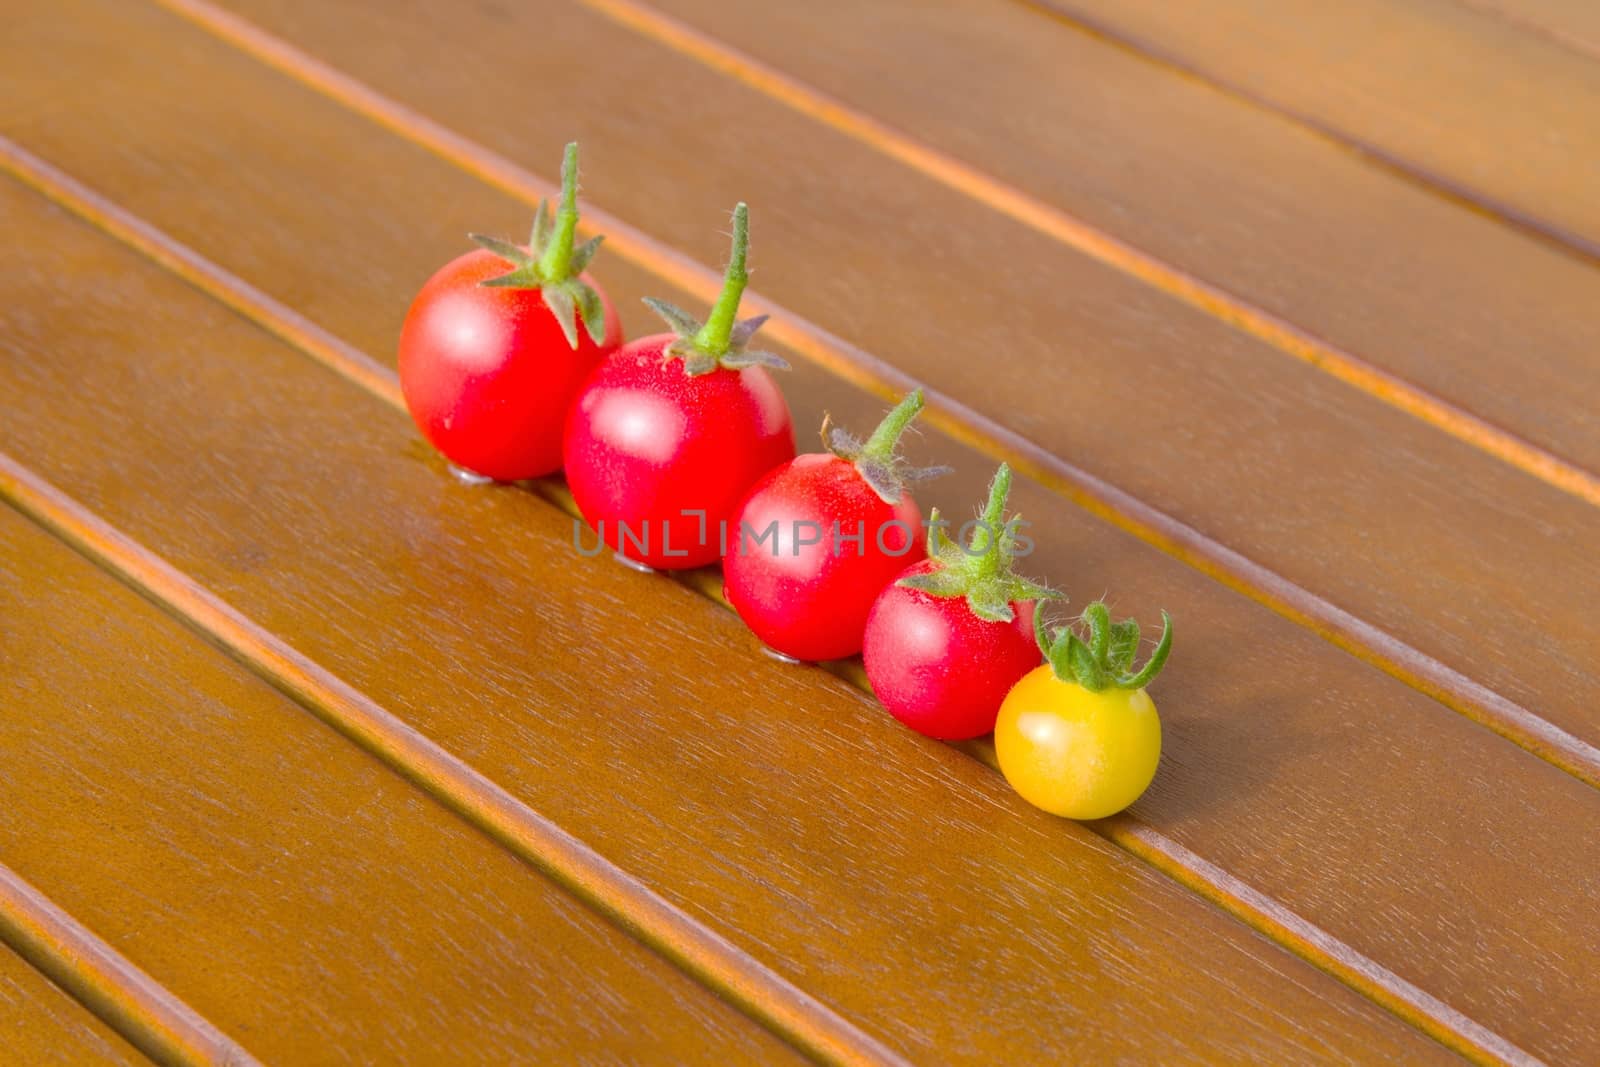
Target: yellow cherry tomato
[1076, 752]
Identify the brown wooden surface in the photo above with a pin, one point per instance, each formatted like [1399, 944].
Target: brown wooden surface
[1325, 803]
[39, 1024]
[690, 777]
[1574, 24]
[1374, 268]
[1460, 97]
[1210, 427]
[339, 915]
[1253, 790]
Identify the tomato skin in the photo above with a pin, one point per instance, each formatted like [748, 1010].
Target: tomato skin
[1074, 752]
[937, 667]
[486, 372]
[646, 441]
[811, 601]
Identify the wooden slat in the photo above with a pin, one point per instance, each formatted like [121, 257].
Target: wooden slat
[1505, 119]
[779, 806]
[43, 1027]
[1574, 24]
[1252, 468]
[1477, 328]
[150, 1016]
[289, 887]
[783, 1007]
[1382, 773]
[1256, 792]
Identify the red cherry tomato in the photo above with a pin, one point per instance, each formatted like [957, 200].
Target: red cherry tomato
[657, 460]
[487, 374]
[939, 668]
[669, 432]
[842, 527]
[948, 640]
[498, 342]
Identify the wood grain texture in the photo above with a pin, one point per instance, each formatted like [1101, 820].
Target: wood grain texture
[1504, 119]
[150, 1016]
[43, 1027]
[1573, 24]
[1441, 311]
[717, 964]
[1282, 750]
[1262, 912]
[778, 805]
[1447, 574]
[290, 888]
[852, 364]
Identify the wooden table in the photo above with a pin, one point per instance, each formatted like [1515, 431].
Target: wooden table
[1288, 311]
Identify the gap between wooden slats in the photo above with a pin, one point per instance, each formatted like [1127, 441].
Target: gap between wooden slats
[485, 804]
[1102, 499]
[1559, 237]
[1069, 230]
[148, 1015]
[771, 1000]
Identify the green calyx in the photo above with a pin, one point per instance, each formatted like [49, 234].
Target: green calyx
[551, 263]
[981, 570]
[1103, 659]
[720, 342]
[878, 459]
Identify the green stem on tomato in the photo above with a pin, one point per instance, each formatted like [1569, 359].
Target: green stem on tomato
[886, 438]
[1098, 618]
[878, 461]
[982, 570]
[986, 556]
[1158, 658]
[714, 337]
[556, 263]
[1096, 663]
